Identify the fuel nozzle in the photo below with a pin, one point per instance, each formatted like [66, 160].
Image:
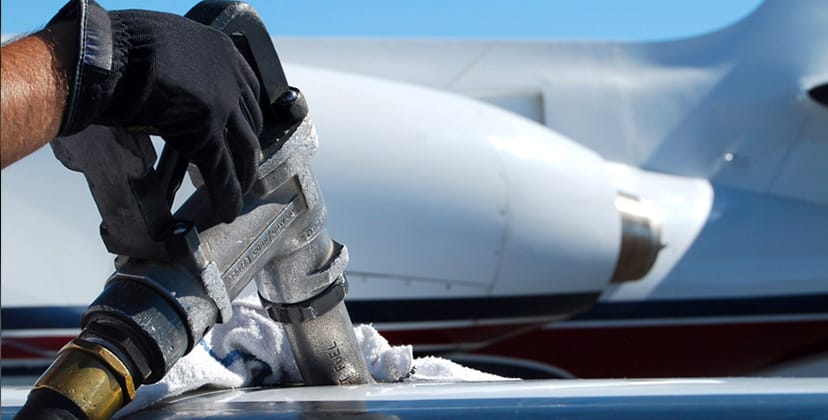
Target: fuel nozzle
[177, 274]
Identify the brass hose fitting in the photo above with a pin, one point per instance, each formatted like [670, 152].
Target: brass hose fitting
[92, 377]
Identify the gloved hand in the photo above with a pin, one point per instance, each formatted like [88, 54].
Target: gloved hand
[170, 76]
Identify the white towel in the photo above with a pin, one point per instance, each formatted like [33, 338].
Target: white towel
[252, 350]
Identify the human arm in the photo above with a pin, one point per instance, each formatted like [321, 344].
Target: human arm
[152, 73]
[34, 89]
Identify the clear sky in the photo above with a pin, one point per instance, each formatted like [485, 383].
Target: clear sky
[534, 19]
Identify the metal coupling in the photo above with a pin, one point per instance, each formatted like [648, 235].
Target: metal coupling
[91, 376]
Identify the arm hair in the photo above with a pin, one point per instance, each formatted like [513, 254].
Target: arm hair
[33, 86]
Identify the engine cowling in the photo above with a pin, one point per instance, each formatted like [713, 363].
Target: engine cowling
[441, 196]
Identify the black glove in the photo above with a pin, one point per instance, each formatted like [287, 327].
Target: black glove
[165, 74]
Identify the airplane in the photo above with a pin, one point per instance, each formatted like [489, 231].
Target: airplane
[544, 208]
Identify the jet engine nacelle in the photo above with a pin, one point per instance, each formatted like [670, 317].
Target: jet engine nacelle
[438, 195]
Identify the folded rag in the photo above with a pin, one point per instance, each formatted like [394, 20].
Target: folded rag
[252, 350]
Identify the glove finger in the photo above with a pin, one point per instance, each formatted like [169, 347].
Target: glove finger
[215, 163]
[251, 97]
[251, 110]
[224, 187]
[243, 142]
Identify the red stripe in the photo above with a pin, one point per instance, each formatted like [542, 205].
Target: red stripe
[731, 349]
[32, 347]
[668, 351]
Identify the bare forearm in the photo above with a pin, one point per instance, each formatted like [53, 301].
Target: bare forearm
[34, 91]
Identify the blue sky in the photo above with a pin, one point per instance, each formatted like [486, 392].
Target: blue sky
[533, 19]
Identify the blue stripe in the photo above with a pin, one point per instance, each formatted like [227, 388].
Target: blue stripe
[697, 308]
[413, 310]
[41, 317]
